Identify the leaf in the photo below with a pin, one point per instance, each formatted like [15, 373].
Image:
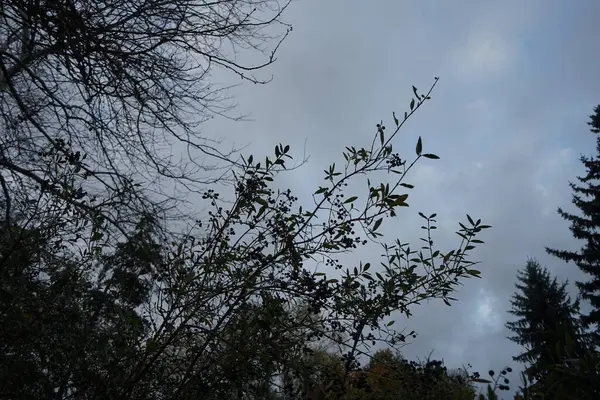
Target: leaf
[367, 266]
[431, 156]
[400, 200]
[474, 272]
[381, 136]
[332, 281]
[407, 185]
[261, 201]
[321, 190]
[390, 323]
[377, 223]
[412, 104]
[419, 146]
[261, 211]
[415, 91]
[396, 119]
[479, 380]
[470, 220]
[350, 199]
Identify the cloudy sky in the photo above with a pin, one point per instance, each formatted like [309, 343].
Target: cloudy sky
[518, 80]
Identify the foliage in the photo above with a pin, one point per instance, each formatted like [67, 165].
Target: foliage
[585, 227]
[390, 376]
[234, 307]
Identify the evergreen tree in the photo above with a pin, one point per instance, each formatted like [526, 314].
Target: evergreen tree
[547, 321]
[586, 227]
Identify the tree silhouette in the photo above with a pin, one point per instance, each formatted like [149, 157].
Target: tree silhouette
[586, 227]
[546, 321]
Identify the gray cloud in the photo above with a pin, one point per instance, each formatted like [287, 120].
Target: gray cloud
[518, 80]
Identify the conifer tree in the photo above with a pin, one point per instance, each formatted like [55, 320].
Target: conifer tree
[586, 227]
[546, 321]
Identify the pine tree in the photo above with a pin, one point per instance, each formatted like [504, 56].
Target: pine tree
[546, 318]
[586, 197]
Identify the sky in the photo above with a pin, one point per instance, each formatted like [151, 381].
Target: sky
[508, 118]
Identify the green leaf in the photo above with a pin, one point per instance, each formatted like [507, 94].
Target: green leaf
[367, 266]
[321, 190]
[377, 223]
[261, 211]
[400, 200]
[407, 185]
[419, 146]
[396, 119]
[390, 323]
[470, 220]
[474, 272]
[350, 199]
[261, 201]
[412, 104]
[431, 156]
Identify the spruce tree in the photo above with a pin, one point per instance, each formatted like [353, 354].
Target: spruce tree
[546, 318]
[586, 227]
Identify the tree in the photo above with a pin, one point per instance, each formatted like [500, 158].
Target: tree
[547, 322]
[106, 89]
[387, 376]
[586, 227]
[63, 332]
[160, 317]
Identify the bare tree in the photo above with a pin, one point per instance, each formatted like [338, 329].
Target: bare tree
[105, 89]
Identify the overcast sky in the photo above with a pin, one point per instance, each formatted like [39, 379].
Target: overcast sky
[518, 80]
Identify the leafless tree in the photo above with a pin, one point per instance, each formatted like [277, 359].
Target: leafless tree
[101, 100]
